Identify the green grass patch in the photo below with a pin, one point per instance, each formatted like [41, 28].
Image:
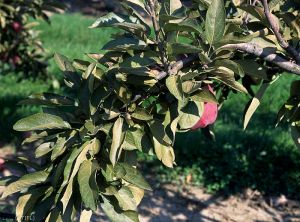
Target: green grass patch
[69, 35]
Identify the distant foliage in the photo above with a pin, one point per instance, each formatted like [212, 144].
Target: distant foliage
[20, 48]
[150, 83]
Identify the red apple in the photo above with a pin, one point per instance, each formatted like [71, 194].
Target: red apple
[16, 26]
[209, 115]
[26, 135]
[16, 60]
[2, 167]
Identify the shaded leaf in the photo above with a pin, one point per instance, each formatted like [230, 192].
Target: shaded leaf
[25, 182]
[182, 48]
[117, 216]
[132, 175]
[49, 99]
[125, 43]
[88, 185]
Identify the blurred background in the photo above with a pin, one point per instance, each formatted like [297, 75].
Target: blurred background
[262, 158]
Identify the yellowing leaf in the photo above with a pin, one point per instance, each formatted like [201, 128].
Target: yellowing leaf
[254, 104]
[117, 140]
[86, 215]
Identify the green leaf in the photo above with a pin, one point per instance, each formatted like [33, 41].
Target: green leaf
[141, 114]
[88, 185]
[72, 80]
[107, 20]
[117, 216]
[25, 182]
[48, 99]
[188, 25]
[65, 199]
[27, 201]
[170, 6]
[140, 3]
[157, 128]
[215, 21]
[137, 61]
[98, 96]
[254, 103]
[41, 121]
[174, 85]
[204, 95]
[86, 215]
[64, 63]
[191, 114]
[190, 87]
[136, 139]
[4, 181]
[164, 153]
[179, 14]
[117, 140]
[295, 131]
[182, 48]
[126, 199]
[232, 65]
[58, 148]
[258, 12]
[124, 44]
[226, 76]
[137, 193]
[274, 3]
[70, 163]
[252, 68]
[132, 175]
[78, 155]
[28, 163]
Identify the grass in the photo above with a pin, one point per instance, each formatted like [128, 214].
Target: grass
[68, 35]
[263, 157]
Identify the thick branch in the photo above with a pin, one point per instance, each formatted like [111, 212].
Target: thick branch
[275, 28]
[177, 66]
[265, 55]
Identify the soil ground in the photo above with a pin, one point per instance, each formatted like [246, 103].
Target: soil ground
[170, 203]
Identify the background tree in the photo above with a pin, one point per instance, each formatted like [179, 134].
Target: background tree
[20, 48]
